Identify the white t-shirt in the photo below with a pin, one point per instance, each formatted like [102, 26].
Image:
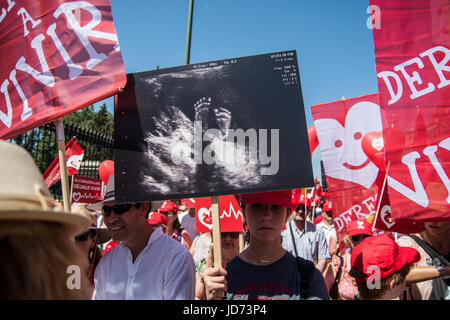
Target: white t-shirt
[187, 222]
[164, 270]
[330, 232]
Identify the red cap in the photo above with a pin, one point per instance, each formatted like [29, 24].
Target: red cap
[383, 252]
[327, 206]
[155, 218]
[168, 206]
[356, 227]
[284, 198]
[304, 200]
[190, 202]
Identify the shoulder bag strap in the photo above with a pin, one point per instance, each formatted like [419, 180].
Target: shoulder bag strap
[293, 239]
[428, 249]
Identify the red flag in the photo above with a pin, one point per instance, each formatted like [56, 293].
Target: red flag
[229, 210]
[57, 57]
[412, 53]
[74, 156]
[384, 221]
[352, 178]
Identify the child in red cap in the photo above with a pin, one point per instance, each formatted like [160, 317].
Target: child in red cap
[380, 267]
[264, 270]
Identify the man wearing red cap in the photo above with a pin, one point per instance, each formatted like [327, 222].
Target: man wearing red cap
[328, 228]
[304, 239]
[265, 270]
[380, 267]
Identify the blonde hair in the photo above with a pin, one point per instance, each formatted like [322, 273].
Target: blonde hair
[35, 260]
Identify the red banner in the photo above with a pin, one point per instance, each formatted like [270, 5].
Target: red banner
[74, 156]
[57, 57]
[229, 210]
[86, 190]
[352, 178]
[412, 52]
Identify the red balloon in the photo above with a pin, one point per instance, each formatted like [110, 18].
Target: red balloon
[312, 138]
[106, 169]
[373, 146]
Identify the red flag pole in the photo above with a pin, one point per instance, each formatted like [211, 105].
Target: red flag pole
[60, 138]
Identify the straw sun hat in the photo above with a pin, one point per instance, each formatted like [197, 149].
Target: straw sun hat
[24, 195]
[103, 235]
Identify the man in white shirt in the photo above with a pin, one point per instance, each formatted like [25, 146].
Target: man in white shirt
[146, 264]
[328, 228]
[187, 217]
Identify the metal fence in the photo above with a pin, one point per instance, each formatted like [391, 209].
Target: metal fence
[42, 145]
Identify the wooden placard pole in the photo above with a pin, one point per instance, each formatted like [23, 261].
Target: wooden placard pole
[60, 138]
[241, 241]
[216, 231]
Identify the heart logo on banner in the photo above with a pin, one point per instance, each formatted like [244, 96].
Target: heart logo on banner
[205, 218]
[385, 216]
[76, 196]
[373, 146]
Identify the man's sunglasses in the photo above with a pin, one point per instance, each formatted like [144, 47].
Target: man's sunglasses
[233, 235]
[84, 236]
[118, 209]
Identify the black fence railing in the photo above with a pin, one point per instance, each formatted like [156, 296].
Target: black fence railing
[42, 145]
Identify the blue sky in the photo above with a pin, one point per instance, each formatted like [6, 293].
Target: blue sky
[334, 45]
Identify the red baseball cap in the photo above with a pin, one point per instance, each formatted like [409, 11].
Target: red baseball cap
[156, 218]
[190, 202]
[284, 198]
[356, 227]
[304, 200]
[327, 206]
[168, 206]
[383, 252]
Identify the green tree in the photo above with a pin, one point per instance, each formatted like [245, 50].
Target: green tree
[101, 121]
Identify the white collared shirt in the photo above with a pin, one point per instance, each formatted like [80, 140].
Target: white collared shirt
[164, 270]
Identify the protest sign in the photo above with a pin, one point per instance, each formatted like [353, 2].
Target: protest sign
[86, 190]
[221, 127]
[57, 57]
[412, 52]
[229, 210]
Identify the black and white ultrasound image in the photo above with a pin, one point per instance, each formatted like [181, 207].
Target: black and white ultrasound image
[223, 127]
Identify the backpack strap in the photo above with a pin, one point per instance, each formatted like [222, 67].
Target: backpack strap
[430, 250]
[306, 269]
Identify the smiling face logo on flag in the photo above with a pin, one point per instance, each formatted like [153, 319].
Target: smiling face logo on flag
[352, 177]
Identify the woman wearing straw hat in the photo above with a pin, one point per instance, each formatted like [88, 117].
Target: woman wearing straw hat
[39, 257]
[88, 241]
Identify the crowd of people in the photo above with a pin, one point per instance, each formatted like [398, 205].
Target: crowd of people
[132, 251]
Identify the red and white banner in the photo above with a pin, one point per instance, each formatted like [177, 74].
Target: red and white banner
[86, 190]
[412, 53]
[74, 156]
[352, 178]
[57, 57]
[229, 210]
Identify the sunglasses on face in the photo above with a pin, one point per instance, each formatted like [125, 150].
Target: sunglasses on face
[118, 209]
[233, 235]
[84, 236]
